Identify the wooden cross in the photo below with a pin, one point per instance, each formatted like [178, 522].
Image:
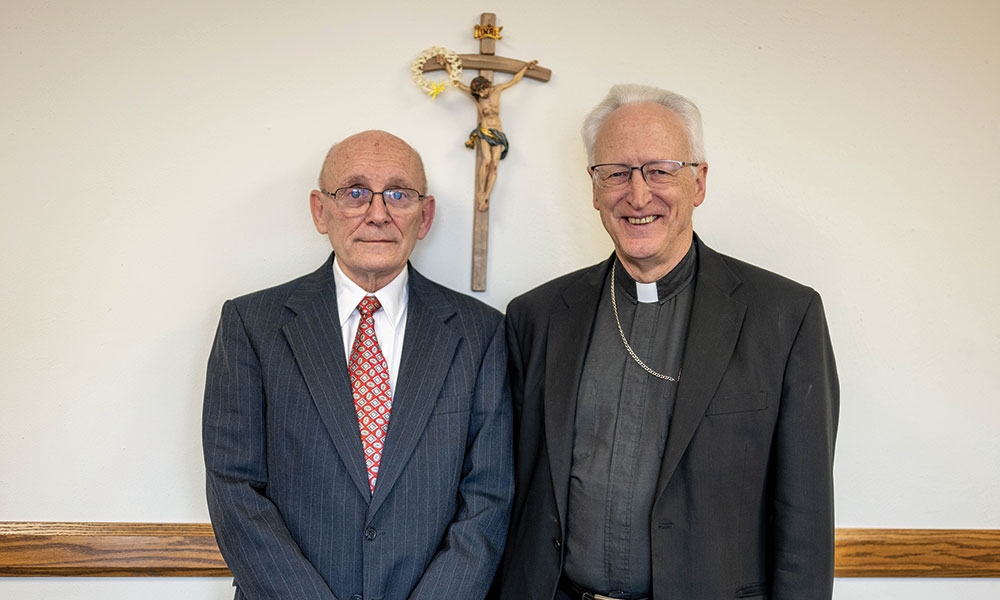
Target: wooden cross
[486, 62]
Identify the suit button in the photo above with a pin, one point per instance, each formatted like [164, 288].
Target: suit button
[357, 597]
[557, 544]
[370, 533]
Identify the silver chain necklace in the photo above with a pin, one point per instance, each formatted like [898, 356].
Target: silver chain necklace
[638, 361]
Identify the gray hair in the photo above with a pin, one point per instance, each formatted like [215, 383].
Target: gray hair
[631, 93]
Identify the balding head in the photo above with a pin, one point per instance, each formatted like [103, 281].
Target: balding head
[377, 142]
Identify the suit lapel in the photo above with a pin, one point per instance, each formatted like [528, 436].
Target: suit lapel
[315, 338]
[428, 350]
[569, 336]
[716, 319]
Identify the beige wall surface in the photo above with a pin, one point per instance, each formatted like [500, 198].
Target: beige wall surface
[157, 159]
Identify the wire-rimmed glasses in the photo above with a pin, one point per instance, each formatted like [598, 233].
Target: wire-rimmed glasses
[655, 172]
[356, 199]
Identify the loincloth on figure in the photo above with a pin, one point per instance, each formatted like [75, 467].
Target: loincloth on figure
[493, 137]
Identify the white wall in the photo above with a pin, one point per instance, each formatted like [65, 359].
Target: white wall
[157, 159]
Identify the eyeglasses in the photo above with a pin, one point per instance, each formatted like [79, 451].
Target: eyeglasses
[356, 199]
[656, 172]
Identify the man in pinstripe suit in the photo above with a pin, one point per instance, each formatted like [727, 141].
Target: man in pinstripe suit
[297, 510]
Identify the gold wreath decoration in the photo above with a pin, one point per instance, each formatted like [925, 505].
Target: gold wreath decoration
[443, 55]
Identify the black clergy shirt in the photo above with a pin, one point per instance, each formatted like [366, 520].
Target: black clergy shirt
[620, 431]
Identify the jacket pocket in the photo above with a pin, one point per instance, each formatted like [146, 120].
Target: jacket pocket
[737, 403]
[756, 590]
[446, 405]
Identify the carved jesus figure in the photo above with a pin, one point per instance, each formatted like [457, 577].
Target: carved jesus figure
[488, 134]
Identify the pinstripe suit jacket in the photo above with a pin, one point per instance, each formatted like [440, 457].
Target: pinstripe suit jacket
[286, 483]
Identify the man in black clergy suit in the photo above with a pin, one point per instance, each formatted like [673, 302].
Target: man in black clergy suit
[675, 408]
[357, 422]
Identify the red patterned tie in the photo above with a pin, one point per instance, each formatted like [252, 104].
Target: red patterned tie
[370, 384]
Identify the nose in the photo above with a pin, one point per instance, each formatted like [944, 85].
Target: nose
[378, 212]
[639, 192]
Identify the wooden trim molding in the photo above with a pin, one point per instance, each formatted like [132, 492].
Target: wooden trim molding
[918, 553]
[40, 549]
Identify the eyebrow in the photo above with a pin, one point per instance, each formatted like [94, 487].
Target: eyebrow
[393, 182]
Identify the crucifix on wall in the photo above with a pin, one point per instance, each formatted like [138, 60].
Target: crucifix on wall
[487, 138]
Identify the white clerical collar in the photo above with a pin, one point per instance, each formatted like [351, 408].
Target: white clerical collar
[391, 296]
[646, 292]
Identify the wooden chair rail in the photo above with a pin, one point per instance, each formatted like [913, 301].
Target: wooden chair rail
[918, 553]
[40, 549]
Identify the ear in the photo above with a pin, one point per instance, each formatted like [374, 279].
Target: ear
[316, 208]
[593, 187]
[426, 217]
[700, 180]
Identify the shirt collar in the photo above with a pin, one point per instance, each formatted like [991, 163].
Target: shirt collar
[667, 286]
[392, 296]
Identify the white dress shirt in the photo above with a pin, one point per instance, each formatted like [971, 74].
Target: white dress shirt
[390, 321]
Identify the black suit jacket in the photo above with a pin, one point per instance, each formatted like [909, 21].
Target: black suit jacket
[287, 489]
[744, 500]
